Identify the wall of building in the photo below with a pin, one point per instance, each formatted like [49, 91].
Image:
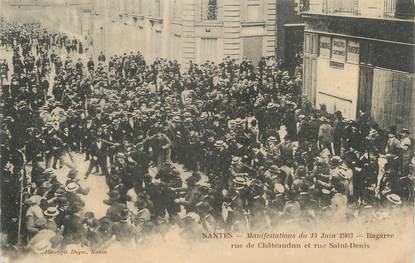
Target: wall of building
[365, 8]
[331, 79]
[393, 98]
[353, 71]
[14, 13]
[181, 30]
[176, 29]
[338, 87]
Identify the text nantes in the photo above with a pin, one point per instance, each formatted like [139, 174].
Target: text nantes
[216, 235]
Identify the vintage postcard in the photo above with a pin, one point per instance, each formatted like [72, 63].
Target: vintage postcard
[214, 131]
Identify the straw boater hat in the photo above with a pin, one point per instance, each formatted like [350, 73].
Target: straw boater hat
[51, 211]
[192, 215]
[239, 180]
[394, 199]
[71, 187]
[219, 143]
[373, 134]
[274, 169]
[236, 159]
[272, 139]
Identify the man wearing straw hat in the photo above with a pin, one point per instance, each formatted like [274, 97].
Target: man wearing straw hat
[33, 215]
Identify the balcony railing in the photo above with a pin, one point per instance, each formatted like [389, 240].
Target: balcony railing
[402, 9]
[341, 6]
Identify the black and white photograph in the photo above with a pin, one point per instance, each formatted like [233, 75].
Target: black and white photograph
[207, 131]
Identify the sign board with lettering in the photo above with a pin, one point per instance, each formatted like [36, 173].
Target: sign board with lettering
[338, 50]
[325, 47]
[353, 51]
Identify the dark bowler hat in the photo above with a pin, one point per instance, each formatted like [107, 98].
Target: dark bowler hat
[392, 130]
[59, 192]
[114, 195]
[405, 131]
[76, 207]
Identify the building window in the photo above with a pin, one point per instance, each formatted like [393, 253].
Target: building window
[212, 10]
[301, 6]
[209, 10]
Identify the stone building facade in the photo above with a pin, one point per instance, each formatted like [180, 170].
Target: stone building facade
[196, 30]
[358, 57]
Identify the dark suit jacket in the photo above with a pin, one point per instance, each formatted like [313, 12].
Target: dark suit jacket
[100, 151]
[74, 231]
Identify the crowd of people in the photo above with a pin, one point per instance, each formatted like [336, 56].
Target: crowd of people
[255, 152]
